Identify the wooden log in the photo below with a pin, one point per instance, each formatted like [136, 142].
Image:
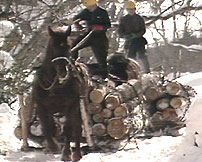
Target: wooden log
[111, 83]
[149, 80]
[162, 104]
[112, 101]
[121, 111]
[18, 132]
[94, 108]
[132, 105]
[99, 129]
[87, 122]
[173, 88]
[106, 113]
[98, 118]
[127, 90]
[97, 95]
[136, 85]
[156, 117]
[152, 93]
[178, 102]
[116, 128]
[35, 129]
[169, 114]
[123, 93]
[133, 69]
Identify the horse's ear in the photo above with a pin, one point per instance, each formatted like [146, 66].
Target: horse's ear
[50, 31]
[68, 31]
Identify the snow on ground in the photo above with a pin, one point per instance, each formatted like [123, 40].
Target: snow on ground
[6, 60]
[156, 149]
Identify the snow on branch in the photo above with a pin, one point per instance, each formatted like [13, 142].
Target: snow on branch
[180, 11]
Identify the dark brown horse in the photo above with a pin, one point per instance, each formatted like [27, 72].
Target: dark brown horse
[56, 89]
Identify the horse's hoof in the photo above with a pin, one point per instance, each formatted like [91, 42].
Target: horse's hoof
[76, 156]
[26, 148]
[51, 151]
[53, 147]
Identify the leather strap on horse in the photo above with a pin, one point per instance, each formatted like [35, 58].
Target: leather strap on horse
[82, 41]
[49, 87]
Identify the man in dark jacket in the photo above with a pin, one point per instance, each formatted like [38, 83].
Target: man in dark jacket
[98, 22]
[132, 28]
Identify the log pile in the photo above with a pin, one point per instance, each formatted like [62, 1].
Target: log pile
[115, 111]
[168, 102]
[154, 104]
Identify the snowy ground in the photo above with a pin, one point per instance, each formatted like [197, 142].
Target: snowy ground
[156, 149]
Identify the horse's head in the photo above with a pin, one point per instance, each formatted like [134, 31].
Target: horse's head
[58, 52]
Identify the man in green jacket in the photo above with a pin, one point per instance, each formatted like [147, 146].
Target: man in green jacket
[132, 28]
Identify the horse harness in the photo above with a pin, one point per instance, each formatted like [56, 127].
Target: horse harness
[78, 69]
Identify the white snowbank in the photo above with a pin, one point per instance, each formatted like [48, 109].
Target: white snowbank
[194, 80]
[5, 28]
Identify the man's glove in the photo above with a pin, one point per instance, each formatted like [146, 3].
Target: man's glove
[77, 24]
[133, 35]
[98, 27]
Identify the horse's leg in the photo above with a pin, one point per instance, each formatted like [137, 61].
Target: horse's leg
[48, 129]
[72, 131]
[66, 152]
[77, 131]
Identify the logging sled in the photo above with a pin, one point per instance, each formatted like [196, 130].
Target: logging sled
[141, 106]
[126, 104]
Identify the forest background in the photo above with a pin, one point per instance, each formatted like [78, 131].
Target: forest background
[173, 33]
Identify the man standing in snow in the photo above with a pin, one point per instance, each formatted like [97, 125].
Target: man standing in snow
[98, 22]
[132, 28]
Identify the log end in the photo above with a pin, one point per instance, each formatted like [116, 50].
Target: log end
[111, 102]
[151, 93]
[18, 132]
[173, 88]
[99, 129]
[96, 96]
[116, 128]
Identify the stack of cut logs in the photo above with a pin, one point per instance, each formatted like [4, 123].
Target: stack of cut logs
[153, 103]
[168, 101]
[110, 108]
